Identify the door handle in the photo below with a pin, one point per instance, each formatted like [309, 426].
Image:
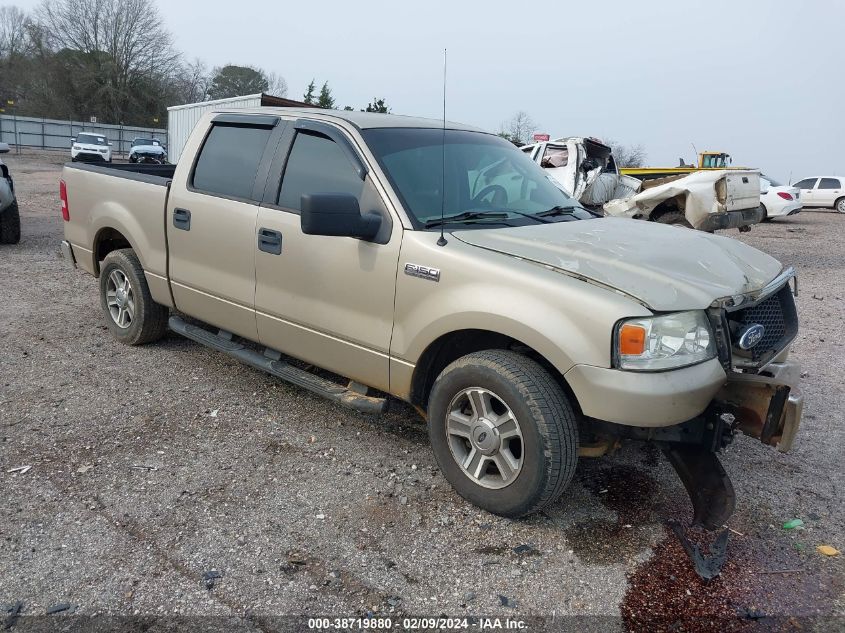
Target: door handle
[182, 219]
[270, 241]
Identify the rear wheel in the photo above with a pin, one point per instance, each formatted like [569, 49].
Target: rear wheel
[131, 314]
[503, 432]
[840, 205]
[10, 224]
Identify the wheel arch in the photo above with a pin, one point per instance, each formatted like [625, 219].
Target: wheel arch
[453, 345]
[106, 240]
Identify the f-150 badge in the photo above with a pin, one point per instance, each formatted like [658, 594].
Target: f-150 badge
[423, 272]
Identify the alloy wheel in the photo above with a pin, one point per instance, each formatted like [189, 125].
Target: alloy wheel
[484, 437]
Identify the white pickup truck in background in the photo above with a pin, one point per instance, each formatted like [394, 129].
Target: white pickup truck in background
[704, 200]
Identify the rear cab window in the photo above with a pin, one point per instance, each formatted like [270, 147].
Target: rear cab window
[227, 164]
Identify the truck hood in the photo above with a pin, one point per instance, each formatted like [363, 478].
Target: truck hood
[663, 267]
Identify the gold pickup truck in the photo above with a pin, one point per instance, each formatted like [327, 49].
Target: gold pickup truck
[440, 266]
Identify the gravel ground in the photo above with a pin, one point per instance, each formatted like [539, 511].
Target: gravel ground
[152, 466]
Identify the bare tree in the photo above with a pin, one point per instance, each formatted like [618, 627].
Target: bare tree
[519, 128]
[627, 155]
[277, 86]
[13, 31]
[123, 42]
[194, 82]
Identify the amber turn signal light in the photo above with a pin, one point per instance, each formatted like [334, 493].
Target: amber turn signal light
[631, 340]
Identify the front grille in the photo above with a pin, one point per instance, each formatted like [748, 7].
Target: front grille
[777, 315]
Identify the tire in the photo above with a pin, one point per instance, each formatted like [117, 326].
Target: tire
[546, 449]
[10, 224]
[147, 320]
[839, 205]
[674, 218]
[766, 217]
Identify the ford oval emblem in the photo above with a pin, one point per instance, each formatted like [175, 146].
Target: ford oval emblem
[752, 335]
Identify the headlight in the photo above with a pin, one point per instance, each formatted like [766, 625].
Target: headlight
[663, 342]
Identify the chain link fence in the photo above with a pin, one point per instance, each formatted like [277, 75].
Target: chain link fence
[56, 134]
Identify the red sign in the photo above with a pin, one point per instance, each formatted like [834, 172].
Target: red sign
[541, 137]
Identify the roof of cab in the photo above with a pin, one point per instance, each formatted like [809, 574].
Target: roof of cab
[362, 120]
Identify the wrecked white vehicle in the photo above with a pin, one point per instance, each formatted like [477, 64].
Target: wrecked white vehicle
[705, 200]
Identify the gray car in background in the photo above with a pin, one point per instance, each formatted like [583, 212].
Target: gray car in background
[10, 220]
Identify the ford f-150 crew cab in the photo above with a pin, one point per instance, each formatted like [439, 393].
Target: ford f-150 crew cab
[440, 266]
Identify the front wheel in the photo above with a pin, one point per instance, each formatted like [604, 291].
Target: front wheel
[503, 432]
[131, 314]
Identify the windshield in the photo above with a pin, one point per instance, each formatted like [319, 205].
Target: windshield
[484, 173]
[145, 141]
[91, 139]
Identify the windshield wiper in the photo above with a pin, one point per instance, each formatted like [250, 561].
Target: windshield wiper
[557, 210]
[466, 216]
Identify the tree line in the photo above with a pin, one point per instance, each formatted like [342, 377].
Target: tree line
[115, 60]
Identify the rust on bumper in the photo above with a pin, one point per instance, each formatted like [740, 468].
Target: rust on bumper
[767, 406]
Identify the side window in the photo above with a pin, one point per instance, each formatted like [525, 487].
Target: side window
[228, 160]
[807, 183]
[829, 183]
[317, 165]
[555, 156]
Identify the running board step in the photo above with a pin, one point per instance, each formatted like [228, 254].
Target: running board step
[272, 364]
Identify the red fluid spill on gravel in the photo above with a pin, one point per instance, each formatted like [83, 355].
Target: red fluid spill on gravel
[665, 593]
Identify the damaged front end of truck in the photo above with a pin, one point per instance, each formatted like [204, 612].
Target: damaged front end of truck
[761, 399]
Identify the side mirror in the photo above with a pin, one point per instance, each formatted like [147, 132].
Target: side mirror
[110, 144]
[73, 139]
[336, 214]
[4, 148]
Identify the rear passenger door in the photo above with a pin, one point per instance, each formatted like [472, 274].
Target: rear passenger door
[807, 193]
[326, 300]
[827, 192]
[211, 222]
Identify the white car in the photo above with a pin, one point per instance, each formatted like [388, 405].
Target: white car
[825, 191]
[90, 147]
[778, 200]
[147, 150]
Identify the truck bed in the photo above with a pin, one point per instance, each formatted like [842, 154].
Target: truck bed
[114, 202]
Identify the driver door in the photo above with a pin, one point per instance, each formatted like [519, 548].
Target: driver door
[325, 300]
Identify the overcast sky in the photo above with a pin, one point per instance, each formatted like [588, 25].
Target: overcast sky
[764, 81]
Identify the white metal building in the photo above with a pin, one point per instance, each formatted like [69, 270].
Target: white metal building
[181, 119]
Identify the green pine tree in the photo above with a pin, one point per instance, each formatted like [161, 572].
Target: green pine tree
[325, 100]
[309, 94]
